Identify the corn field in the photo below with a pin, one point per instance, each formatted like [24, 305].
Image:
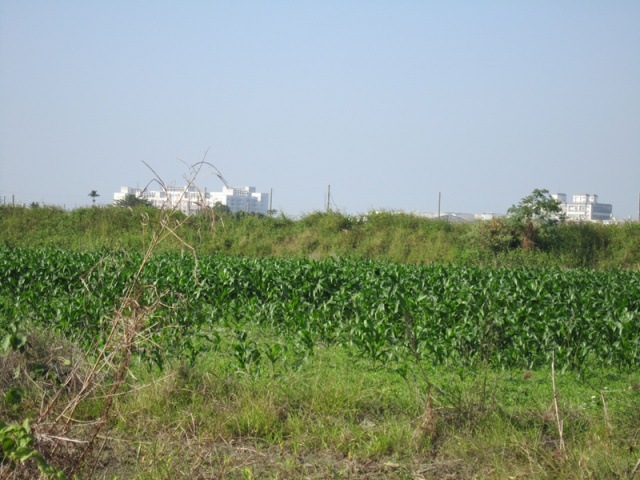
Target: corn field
[391, 313]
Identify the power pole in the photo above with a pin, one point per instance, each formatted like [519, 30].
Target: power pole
[439, 197]
[270, 198]
[328, 198]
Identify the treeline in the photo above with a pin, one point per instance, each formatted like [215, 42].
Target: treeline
[394, 237]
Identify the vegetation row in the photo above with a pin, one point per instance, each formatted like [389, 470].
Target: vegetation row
[395, 237]
[390, 313]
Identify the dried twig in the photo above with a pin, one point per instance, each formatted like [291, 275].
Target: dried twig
[606, 413]
[435, 466]
[49, 438]
[428, 422]
[634, 470]
[555, 401]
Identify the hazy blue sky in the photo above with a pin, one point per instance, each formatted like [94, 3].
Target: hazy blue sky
[389, 102]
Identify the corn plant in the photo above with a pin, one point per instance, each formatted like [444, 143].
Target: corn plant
[502, 317]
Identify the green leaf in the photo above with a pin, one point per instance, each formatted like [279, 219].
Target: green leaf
[14, 396]
[6, 343]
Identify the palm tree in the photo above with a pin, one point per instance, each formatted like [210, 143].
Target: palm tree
[93, 194]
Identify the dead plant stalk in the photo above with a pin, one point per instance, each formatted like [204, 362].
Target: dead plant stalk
[129, 326]
[555, 401]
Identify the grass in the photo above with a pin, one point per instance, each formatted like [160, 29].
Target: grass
[340, 417]
[394, 237]
[333, 415]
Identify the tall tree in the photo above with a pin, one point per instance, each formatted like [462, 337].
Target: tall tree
[535, 215]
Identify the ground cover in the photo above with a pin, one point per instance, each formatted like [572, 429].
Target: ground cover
[334, 414]
[340, 417]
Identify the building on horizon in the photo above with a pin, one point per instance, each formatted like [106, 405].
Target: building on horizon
[457, 217]
[240, 199]
[190, 199]
[584, 207]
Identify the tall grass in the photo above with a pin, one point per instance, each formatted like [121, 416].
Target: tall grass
[394, 237]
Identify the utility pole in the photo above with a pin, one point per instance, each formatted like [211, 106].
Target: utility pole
[270, 198]
[439, 197]
[328, 198]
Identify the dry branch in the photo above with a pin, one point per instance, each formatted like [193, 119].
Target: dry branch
[555, 401]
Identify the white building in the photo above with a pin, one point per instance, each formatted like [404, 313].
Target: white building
[244, 199]
[189, 199]
[584, 207]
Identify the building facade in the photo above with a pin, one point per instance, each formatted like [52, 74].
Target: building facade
[189, 199]
[244, 199]
[584, 207]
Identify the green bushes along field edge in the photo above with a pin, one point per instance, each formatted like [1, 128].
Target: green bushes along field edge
[388, 236]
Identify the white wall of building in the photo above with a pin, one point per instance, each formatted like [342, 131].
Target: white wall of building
[584, 207]
[243, 199]
[190, 200]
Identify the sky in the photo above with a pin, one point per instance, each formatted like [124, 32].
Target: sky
[391, 103]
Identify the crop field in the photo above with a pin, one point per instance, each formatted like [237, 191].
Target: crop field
[257, 327]
[388, 312]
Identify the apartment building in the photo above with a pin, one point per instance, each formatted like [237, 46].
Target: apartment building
[244, 199]
[190, 200]
[584, 207]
